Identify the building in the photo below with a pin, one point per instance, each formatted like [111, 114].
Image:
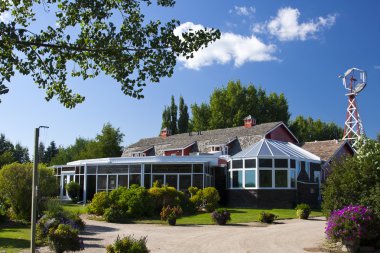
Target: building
[251, 165]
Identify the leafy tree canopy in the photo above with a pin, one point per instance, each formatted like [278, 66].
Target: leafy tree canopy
[106, 144]
[10, 153]
[308, 129]
[88, 38]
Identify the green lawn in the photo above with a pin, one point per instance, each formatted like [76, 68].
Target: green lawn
[14, 238]
[74, 208]
[238, 215]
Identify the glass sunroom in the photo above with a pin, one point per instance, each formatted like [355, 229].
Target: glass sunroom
[106, 174]
[269, 164]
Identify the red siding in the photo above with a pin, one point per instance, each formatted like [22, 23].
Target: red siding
[187, 150]
[281, 134]
[173, 152]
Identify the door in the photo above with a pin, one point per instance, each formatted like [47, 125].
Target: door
[65, 179]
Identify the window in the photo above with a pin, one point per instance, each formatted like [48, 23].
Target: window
[250, 178]
[135, 168]
[317, 176]
[134, 179]
[147, 181]
[148, 168]
[198, 181]
[292, 163]
[159, 178]
[237, 164]
[265, 178]
[111, 182]
[123, 180]
[197, 168]
[281, 178]
[250, 163]
[237, 179]
[281, 163]
[292, 178]
[265, 163]
[307, 169]
[184, 182]
[171, 180]
[102, 183]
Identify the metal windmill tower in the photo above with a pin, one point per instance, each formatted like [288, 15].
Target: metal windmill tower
[354, 80]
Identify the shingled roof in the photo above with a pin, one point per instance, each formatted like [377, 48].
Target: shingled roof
[244, 136]
[324, 149]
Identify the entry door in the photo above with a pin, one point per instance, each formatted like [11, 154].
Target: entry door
[66, 178]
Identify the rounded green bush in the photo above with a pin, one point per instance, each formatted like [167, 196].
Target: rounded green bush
[99, 203]
[73, 190]
[303, 211]
[64, 238]
[128, 244]
[267, 217]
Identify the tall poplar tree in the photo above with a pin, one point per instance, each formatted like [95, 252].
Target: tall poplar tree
[173, 116]
[183, 120]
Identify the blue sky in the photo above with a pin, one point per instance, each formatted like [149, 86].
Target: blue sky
[295, 47]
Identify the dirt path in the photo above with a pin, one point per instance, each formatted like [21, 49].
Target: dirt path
[286, 236]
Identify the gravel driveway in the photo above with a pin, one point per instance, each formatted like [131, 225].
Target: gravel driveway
[285, 236]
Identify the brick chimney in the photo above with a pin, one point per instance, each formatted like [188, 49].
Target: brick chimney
[249, 121]
[165, 132]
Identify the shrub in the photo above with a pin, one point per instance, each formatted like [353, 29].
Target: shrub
[352, 223]
[64, 238]
[267, 217]
[99, 203]
[207, 198]
[15, 187]
[354, 180]
[115, 215]
[73, 189]
[221, 216]
[171, 213]
[3, 211]
[165, 196]
[303, 211]
[128, 244]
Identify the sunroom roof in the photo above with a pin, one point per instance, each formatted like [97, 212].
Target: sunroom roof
[276, 149]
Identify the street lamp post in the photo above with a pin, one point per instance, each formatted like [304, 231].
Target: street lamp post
[35, 190]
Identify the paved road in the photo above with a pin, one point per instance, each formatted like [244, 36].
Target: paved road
[286, 236]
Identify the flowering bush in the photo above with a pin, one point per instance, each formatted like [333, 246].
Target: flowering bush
[221, 216]
[352, 223]
[169, 213]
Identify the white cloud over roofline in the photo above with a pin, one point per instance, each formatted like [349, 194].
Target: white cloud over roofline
[230, 47]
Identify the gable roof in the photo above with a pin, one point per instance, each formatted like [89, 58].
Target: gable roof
[245, 137]
[326, 150]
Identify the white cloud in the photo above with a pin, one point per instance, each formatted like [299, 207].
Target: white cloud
[243, 10]
[229, 48]
[286, 27]
[5, 17]
[377, 67]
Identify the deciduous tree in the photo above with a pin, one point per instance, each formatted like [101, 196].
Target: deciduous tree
[87, 38]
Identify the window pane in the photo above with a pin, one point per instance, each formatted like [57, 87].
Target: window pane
[237, 164]
[197, 168]
[292, 178]
[123, 180]
[250, 163]
[292, 163]
[111, 182]
[265, 178]
[198, 181]
[237, 179]
[135, 168]
[102, 183]
[147, 181]
[250, 178]
[184, 182]
[159, 178]
[91, 169]
[134, 179]
[281, 178]
[281, 163]
[265, 163]
[171, 180]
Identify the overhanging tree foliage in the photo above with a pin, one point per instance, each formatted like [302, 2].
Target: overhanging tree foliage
[88, 38]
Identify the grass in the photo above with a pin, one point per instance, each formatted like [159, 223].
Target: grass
[14, 237]
[74, 208]
[238, 215]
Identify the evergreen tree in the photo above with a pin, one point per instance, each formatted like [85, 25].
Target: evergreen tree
[166, 118]
[173, 116]
[41, 153]
[183, 120]
[21, 154]
[51, 152]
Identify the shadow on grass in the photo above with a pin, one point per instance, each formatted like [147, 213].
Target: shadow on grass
[13, 243]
